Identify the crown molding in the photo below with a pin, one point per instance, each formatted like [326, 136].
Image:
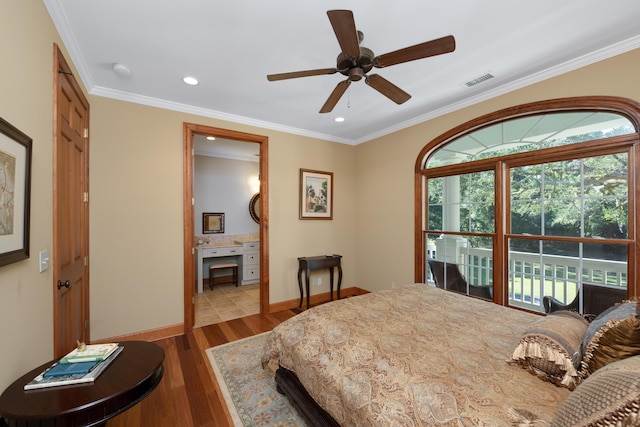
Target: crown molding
[565, 67]
[61, 23]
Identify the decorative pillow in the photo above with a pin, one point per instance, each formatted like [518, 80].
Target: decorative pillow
[609, 397]
[550, 348]
[613, 335]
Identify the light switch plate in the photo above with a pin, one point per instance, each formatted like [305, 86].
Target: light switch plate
[44, 260]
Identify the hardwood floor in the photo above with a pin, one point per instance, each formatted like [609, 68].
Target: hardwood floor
[188, 395]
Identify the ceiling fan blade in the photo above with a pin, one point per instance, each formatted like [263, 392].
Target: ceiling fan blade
[345, 28]
[423, 50]
[387, 88]
[296, 74]
[335, 96]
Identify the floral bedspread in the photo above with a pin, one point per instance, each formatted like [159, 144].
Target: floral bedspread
[414, 356]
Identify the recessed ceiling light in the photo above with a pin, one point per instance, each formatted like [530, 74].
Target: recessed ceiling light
[190, 80]
[211, 138]
[339, 119]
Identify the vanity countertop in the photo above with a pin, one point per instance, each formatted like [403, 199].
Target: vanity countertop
[246, 240]
[219, 245]
[225, 241]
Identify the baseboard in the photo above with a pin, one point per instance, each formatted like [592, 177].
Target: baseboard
[150, 335]
[175, 330]
[315, 299]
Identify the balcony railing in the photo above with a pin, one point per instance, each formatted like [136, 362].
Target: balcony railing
[560, 275]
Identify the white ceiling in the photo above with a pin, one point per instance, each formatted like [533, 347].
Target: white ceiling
[230, 46]
[226, 149]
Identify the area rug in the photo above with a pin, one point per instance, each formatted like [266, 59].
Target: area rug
[249, 390]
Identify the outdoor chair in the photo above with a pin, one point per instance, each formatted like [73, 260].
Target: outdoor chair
[597, 298]
[455, 281]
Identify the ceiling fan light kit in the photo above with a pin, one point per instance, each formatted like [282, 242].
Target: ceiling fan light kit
[355, 61]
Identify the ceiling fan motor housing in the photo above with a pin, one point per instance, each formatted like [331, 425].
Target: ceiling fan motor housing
[355, 70]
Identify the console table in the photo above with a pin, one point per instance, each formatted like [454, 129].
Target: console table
[307, 264]
[135, 373]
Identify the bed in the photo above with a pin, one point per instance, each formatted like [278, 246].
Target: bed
[413, 356]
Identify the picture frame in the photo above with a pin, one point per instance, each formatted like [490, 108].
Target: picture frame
[15, 193]
[316, 194]
[212, 222]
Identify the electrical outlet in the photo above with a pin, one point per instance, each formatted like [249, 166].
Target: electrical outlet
[318, 281]
[393, 285]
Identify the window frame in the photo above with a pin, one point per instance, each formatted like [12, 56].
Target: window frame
[629, 143]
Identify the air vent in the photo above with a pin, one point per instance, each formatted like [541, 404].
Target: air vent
[478, 80]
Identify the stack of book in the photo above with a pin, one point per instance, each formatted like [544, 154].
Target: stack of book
[77, 367]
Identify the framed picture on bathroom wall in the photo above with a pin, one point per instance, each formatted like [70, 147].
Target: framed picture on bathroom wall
[212, 222]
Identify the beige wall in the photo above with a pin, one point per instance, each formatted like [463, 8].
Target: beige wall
[136, 196]
[26, 296]
[386, 165]
[136, 188]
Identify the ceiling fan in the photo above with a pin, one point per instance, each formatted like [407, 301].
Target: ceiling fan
[356, 61]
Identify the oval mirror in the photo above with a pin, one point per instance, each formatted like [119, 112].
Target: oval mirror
[254, 207]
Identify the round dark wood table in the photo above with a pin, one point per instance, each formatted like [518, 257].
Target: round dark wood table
[135, 373]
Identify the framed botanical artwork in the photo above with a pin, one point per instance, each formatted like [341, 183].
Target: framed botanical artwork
[316, 194]
[212, 223]
[15, 193]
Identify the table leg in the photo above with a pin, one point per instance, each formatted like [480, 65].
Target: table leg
[307, 280]
[300, 285]
[331, 282]
[339, 279]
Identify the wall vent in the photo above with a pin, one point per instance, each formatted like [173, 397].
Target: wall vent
[478, 80]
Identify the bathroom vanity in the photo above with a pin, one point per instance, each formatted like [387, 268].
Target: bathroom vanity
[245, 251]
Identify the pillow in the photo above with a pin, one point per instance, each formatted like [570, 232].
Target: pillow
[550, 348]
[613, 335]
[609, 397]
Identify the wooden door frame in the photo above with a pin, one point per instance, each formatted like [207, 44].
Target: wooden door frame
[61, 66]
[188, 211]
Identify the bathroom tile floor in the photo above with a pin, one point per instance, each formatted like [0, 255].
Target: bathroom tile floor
[226, 302]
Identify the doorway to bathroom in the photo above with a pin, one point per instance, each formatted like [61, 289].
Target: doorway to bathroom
[221, 227]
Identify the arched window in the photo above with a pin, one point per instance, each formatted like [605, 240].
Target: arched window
[533, 206]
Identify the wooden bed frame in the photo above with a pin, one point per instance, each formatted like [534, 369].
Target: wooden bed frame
[288, 384]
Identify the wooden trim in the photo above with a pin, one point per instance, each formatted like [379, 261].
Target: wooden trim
[188, 229]
[150, 335]
[633, 209]
[626, 107]
[264, 225]
[500, 291]
[179, 329]
[61, 67]
[419, 270]
[316, 299]
[188, 221]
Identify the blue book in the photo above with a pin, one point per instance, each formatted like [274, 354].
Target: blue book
[62, 369]
[41, 382]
